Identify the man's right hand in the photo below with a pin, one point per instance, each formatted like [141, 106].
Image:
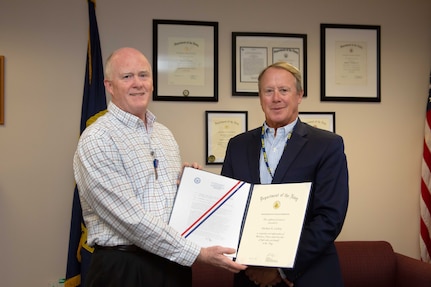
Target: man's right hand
[216, 256]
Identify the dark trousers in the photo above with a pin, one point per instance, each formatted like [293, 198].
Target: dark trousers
[115, 268]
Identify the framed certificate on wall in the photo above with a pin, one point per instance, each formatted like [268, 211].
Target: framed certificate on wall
[221, 126]
[253, 52]
[350, 63]
[185, 60]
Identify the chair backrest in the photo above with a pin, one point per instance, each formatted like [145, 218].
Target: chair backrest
[367, 263]
[209, 276]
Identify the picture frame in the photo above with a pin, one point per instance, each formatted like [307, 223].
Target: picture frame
[252, 52]
[2, 75]
[185, 60]
[221, 126]
[321, 120]
[350, 63]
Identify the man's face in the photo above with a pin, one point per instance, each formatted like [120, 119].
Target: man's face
[131, 82]
[279, 97]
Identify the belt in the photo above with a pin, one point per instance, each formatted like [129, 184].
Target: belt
[124, 248]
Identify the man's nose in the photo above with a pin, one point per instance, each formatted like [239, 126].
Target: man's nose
[137, 81]
[277, 94]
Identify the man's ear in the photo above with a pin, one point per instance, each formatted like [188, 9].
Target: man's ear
[300, 96]
[108, 86]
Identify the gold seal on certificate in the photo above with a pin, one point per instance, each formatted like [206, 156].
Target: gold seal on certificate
[211, 158]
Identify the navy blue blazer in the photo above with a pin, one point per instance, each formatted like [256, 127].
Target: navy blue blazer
[311, 155]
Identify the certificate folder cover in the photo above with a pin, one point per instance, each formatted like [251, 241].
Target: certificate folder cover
[263, 222]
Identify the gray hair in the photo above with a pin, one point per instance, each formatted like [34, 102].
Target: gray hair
[287, 67]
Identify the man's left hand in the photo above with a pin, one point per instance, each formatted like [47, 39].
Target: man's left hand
[263, 276]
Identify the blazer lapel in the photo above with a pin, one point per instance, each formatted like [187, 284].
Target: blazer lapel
[254, 156]
[294, 146]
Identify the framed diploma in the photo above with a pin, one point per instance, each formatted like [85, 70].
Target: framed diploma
[185, 60]
[252, 52]
[1, 90]
[321, 120]
[221, 126]
[350, 63]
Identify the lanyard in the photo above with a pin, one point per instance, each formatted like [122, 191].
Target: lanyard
[265, 156]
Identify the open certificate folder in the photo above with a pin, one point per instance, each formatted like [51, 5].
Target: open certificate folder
[263, 222]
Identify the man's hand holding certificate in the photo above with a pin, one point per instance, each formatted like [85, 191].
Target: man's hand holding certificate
[263, 222]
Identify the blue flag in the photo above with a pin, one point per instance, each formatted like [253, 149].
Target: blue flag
[93, 106]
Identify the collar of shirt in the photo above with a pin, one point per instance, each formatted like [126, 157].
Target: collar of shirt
[274, 147]
[131, 120]
[287, 129]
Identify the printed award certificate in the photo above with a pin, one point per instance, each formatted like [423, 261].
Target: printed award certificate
[273, 224]
[262, 222]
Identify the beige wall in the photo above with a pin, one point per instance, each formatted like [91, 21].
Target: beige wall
[45, 47]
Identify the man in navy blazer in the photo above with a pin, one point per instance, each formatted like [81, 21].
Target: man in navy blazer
[286, 150]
